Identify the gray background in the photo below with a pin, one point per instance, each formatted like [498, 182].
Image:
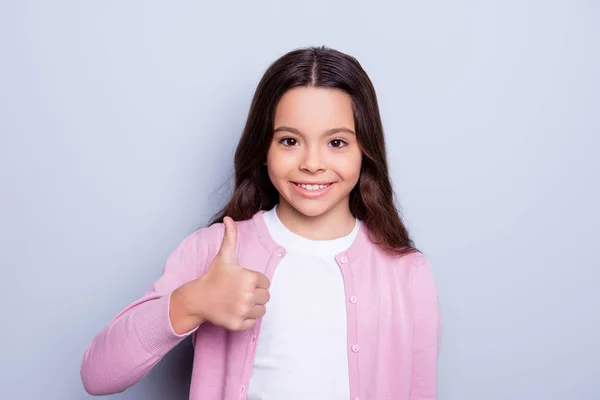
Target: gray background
[118, 123]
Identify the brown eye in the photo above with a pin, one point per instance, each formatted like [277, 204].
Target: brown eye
[289, 141]
[337, 143]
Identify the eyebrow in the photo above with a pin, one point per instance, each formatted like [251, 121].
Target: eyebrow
[326, 133]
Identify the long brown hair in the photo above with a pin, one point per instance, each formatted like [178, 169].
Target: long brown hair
[372, 199]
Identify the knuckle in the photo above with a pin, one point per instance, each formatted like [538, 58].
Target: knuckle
[247, 298]
[252, 278]
[243, 309]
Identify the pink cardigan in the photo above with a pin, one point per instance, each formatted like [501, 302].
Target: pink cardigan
[394, 323]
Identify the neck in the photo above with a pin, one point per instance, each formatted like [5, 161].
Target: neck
[333, 224]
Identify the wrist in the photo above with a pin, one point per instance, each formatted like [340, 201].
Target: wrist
[181, 311]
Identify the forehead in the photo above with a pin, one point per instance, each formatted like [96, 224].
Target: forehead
[313, 109]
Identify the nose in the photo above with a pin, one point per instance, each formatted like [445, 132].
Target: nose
[312, 160]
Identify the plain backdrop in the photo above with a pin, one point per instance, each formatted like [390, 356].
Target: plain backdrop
[118, 124]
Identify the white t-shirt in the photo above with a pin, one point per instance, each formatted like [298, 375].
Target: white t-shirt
[302, 350]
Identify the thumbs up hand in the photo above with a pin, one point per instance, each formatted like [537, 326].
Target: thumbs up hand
[228, 295]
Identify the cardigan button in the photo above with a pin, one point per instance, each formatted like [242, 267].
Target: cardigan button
[355, 348]
[353, 299]
[344, 259]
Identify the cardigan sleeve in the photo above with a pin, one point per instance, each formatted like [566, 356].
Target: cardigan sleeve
[428, 326]
[141, 334]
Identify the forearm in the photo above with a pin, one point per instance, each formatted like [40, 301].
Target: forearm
[129, 347]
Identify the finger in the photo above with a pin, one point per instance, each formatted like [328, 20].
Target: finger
[262, 281]
[227, 251]
[248, 324]
[261, 296]
[256, 312]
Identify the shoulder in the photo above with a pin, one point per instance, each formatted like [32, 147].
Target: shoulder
[415, 265]
[421, 270]
[409, 261]
[414, 272]
[413, 268]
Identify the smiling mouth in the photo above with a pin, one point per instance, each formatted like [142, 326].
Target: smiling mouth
[311, 187]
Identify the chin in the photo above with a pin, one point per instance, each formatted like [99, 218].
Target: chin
[311, 210]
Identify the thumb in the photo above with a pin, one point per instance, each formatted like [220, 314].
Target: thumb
[227, 252]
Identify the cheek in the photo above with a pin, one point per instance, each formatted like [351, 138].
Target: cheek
[350, 166]
[279, 164]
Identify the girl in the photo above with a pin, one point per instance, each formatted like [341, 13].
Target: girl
[312, 230]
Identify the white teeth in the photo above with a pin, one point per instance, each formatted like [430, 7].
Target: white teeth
[312, 187]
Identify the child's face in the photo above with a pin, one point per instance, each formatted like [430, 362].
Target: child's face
[305, 150]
